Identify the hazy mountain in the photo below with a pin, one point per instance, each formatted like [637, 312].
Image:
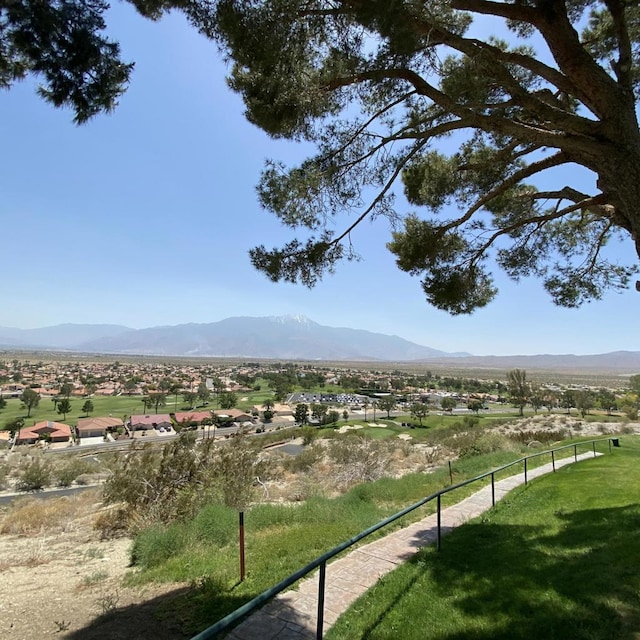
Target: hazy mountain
[286, 338]
[61, 336]
[615, 361]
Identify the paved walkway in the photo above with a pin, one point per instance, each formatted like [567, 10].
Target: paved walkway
[292, 615]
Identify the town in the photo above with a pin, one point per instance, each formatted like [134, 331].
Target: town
[88, 401]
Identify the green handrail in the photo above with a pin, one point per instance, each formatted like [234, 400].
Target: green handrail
[321, 561]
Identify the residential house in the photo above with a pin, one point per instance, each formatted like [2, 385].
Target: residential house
[144, 423]
[47, 430]
[191, 417]
[97, 427]
[234, 415]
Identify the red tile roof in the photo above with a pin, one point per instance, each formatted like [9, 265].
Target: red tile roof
[57, 430]
[192, 416]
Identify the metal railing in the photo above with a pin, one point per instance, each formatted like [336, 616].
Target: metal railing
[321, 562]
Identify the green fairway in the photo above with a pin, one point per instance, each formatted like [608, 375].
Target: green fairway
[117, 406]
[559, 558]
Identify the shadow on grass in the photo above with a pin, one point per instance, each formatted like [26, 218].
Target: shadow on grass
[516, 582]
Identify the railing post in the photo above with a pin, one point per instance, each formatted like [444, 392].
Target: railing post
[594, 448]
[321, 587]
[439, 524]
[493, 489]
[553, 460]
[575, 452]
[525, 471]
[609, 441]
[241, 542]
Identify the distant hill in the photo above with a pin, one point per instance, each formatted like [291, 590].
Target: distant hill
[615, 361]
[61, 336]
[287, 338]
[280, 337]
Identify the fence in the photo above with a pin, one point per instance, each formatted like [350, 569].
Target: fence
[321, 562]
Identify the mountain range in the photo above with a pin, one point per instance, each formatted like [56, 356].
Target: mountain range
[281, 338]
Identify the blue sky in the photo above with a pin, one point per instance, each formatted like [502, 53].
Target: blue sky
[145, 216]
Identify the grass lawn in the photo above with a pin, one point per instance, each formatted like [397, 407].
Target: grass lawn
[280, 538]
[559, 558]
[117, 406]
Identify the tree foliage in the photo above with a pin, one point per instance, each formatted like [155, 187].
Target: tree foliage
[448, 403]
[62, 43]
[399, 92]
[388, 404]
[227, 399]
[519, 388]
[301, 413]
[87, 407]
[64, 407]
[419, 410]
[478, 132]
[30, 399]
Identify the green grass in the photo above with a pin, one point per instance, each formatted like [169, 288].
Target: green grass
[118, 406]
[280, 539]
[559, 558]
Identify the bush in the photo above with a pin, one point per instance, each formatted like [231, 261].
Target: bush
[477, 445]
[112, 523]
[543, 436]
[35, 476]
[157, 544]
[304, 460]
[71, 471]
[216, 525]
[309, 434]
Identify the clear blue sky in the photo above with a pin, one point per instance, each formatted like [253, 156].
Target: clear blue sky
[144, 217]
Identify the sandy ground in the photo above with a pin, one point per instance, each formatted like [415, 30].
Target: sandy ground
[69, 584]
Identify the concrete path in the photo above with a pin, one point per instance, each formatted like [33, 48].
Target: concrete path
[292, 615]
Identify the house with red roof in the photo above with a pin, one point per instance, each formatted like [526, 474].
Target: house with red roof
[191, 417]
[156, 421]
[96, 427]
[48, 430]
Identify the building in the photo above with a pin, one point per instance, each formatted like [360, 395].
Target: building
[233, 415]
[191, 417]
[96, 427]
[157, 421]
[48, 431]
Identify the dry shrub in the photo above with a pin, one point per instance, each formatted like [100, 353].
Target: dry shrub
[302, 462]
[32, 516]
[305, 487]
[113, 522]
[543, 436]
[475, 444]
[358, 460]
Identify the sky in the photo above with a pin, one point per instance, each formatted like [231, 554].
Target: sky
[145, 217]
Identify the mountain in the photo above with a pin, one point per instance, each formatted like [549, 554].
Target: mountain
[621, 362]
[61, 336]
[276, 337]
[287, 338]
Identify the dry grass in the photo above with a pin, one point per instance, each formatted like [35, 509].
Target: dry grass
[30, 516]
